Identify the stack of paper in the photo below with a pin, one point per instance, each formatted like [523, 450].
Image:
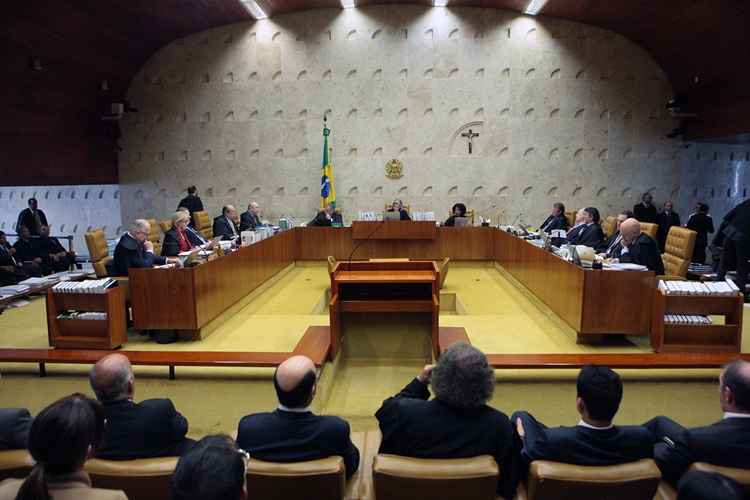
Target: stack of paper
[716, 288]
[87, 286]
[10, 290]
[83, 315]
[686, 319]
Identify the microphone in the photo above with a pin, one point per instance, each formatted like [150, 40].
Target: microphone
[198, 234]
[356, 247]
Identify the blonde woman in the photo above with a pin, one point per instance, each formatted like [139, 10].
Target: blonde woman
[179, 239]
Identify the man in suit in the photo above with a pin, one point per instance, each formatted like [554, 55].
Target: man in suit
[701, 223]
[292, 432]
[14, 428]
[556, 219]
[326, 217]
[225, 225]
[725, 443]
[736, 244]
[32, 218]
[149, 429]
[11, 270]
[250, 219]
[457, 423]
[636, 247]
[610, 243]
[590, 232]
[595, 440]
[578, 225]
[645, 211]
[191, 202]
[54, 256]
[666, 219]
[27, 252]
[134, 250]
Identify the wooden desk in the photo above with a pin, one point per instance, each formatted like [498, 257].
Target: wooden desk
[384, 287]
[394, 230]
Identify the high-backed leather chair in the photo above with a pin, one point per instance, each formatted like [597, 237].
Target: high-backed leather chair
[469, 215]
[742, 476]
[402, 478]
[630, 481]
[154, 235]
[15, 464]
[571, 217]
[96, 241]
[609, 225]
[651, 230]
[388, 206]
[204, 224]
[443, 267]
[141, 479]
[678, 250]
[323, 479]
[165, 225]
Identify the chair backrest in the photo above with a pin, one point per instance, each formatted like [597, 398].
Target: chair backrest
[571, 216]
[141, 479]
[96, 241]
[650, 229]
[397, 478]
[678, 250]
[609, 225]
[553, 480]
[742, 476]
[443, 267]
[154, 235]
[15, 464]
[331, 263]
[323, 479]
[165, 225]
[203, 224]
[388, 206]
[469, 215]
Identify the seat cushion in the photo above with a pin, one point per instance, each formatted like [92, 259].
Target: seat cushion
[323, 478]
[15, 464]
[680, 242]
[742, 476]
[146, 479]
[650, 229]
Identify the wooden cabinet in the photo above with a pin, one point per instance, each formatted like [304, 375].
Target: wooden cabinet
[108, 333]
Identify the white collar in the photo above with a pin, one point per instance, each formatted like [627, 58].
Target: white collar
[306, 409]
[589, 426]
[731, 414]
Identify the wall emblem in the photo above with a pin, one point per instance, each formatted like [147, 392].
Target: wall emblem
[394, 169]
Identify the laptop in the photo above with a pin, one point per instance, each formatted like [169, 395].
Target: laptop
[460, 221]
[392, 215]
[190, 257]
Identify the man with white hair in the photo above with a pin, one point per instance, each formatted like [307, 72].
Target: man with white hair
[134, 250]
[638, 248]
[251, 219]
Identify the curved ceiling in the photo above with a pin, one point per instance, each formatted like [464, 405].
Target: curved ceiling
[52, 133]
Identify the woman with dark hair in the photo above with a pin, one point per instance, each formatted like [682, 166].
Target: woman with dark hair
[63, 436]
[458, 210]
[213, 469]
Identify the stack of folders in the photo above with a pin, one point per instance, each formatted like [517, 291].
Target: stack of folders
[10, 290]
[716, 288]
[367, 216]
[686, 319]
[87, 286]
[88, 315]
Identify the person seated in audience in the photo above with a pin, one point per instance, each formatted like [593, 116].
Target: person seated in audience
[134, 250]
[326, 217]
[611, 242]
[645, 211]
[32, 217]
[666, 219]
[458, 210]
[556, 220]
[225, 225]
[54, 256]
[151, 428]
[589, 232]
[398, 206]
[251, 219]
[725, 443]
[293, 433]
[27, 252]
[457, 423]
[191, 202]
[700, 485]
[62, 438]
[701, 223]
[213, 469]
[14, 428]
[636, 247]
[595, 440]
[11, 270]
[179, 238]
[578, 224]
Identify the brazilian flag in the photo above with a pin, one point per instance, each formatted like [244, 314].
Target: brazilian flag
[327, 191]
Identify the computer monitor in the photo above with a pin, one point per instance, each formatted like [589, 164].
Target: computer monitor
[461, 221]
[392, 215]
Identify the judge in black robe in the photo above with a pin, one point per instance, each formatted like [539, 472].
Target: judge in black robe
[638, 248]
[589, 233]
[224, 224]
[458, 210]
[134, 251]
[645, 211]
[54, 256]
[32, 218]
[27, 252]
[192, 202]
[736, 243]
[701, 223]
[556, 219]
[251, 219]
[398, 206]
[666, 219]
[11, 270]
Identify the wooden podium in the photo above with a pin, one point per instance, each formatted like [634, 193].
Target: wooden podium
[394, 230]
[384, 287]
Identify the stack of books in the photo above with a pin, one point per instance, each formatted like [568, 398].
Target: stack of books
[697, 268]
[715, 288]
[11, 290]
[40, 282]
[88, 315]
[87, 286]
[686, 319]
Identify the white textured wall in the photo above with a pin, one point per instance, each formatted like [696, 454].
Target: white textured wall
[565, 111]
[70, 210]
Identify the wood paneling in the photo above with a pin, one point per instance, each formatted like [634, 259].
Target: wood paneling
[393, 230]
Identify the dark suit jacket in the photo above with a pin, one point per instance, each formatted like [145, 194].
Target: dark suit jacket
[644, 252]
[171, 245]
[151, 428]
[590, 235]
[551, 223]
[322, 220]
[412, 426]
[665, 222]
[609, 242]
[26, 218]
[222, 228]
[249, 221]
[645, 213]
[193, 204]
[738, 222]
[14, 428]
[726, 443]
[129, 253]
[583, 446]
[283, 436]
[403, 214]
[27, 250]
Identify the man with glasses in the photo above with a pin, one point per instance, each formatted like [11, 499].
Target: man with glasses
[134, 250]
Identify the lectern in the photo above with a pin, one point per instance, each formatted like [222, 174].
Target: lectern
[384, 287]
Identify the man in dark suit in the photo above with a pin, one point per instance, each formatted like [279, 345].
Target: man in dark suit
[636, 247]
[736, 244]
[610, 243]
[11, 270]
[292, 432]
[701, 223]
[225, 225]
[134, 250]
[250, 219]
[192, 202]
[32, 218]
[457, 423]
[54, 256]
[14, 428]
[151, 428]
[645, 211]
[590, 233]
[556, 219]
[27, 252]
[595, 440]
[666, 219]
[326, 217]
[725, 443]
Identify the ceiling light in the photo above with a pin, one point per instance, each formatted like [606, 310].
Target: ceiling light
[254, 9]
[347, 4]
[534, 7]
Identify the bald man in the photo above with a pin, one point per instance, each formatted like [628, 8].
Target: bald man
[151, 428]
[293, 433]
[251, 219]
[225, 225]
[636, 247]
[725, 443]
